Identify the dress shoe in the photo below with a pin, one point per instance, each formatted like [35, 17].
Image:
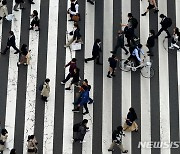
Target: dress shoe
[32, 2]
[144, 14]
[110, 150]
[16, 52]
[16, 10]
[85, 60]
[126, 53]
[156, 11]
[109, 76]
[85, 113]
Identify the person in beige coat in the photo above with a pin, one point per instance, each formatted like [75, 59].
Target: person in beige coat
[45, 90]
[3, 138]
[3, 9]
[32, 145]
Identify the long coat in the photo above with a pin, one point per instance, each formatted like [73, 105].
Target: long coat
[46, 90]
[3, 10]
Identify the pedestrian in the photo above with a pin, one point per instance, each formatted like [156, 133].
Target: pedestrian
[75, 79]
[3, 9]
[120, 43]
[175, 39]
[11, 43]
[80, 129]
[165, 24]
[35, 21]
[3, 138]
[112, 66]
[95, 52]
[152, 5]
[82, 101]
[76, 36]
[17, 3]
[151, 42]
[13, 151]
[72, 66]
[31, 2]
[130, 124]
[117, 140]
[74, 10]
[91, 1]
[45, 90]
[32, 145]
[24, 55]
[135, 55]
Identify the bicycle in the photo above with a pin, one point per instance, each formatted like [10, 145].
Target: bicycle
[145, 67]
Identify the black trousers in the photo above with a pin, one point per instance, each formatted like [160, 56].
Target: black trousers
[163, 29]
[85, 107]
[134, 59]
[43, 98]
[67, 78]
[8, 47]
[118, 46]
[93, 58]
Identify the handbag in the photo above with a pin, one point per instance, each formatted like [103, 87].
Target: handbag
[76, 46]
[75, 18]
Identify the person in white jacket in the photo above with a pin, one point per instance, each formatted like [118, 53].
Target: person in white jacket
[3, 9]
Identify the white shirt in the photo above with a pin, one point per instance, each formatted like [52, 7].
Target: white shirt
[135, 53]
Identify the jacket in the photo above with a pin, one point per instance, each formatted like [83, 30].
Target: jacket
[81, 132]
[150, 41]
[84, 97]
[112, 62]
[72, 67]
[164, 23]
[11, 41]
[117, 136]
[46, 90]
[120, 40]
[96, 50]
[3, 10]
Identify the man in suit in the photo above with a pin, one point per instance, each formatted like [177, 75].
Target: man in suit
[120, 43]
[91, 2]
[11, 43]
[95, 52]
[165, 24]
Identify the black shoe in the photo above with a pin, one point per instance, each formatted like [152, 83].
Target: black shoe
[75, 110]
[148, 51]
[68, 88]
[112, 52]
[109, 76]
[126, 53]
[85, 60]
[156, 11]
[167, 36]
[113, 75]
[16, 52]
[90, 2]
[32, 2]
[16, 10]
[126, 151]
[144, 14]
[31, 28]
[91, 102]
[85, 113]
[110, 150]
[70, 20]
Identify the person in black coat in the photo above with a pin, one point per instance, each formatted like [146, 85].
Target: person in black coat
[120, 43]
[11, 43]
[19, 2]
[150, 42]
[112, 66]
[35, 21]
[95, 52]
[165, 24]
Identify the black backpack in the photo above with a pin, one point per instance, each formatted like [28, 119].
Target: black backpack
[76, 127]
[168, 22]
[134, 22]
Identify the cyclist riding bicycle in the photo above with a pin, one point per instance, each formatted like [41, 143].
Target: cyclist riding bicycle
[135, 55]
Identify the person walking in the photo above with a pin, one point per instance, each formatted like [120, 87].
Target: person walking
[152, 5]
[75, 79]
[3, 138]
[151, 42]
[130, 124]
[80, 129]
[24, 55]
[3, 9]
[76, 35]
[32, 145]
[117, 140]
[45, 90]
[120, 43]
[17, 3]
[11, 43]
[165, 24]
[72, 66]
[112, 66]
[13, 151]
[74, 9]
[35, 21]
[91, 1]
[95, 52]
[175, 39]
[82, 101]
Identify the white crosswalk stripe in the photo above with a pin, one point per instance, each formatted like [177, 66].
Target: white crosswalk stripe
[47, 143]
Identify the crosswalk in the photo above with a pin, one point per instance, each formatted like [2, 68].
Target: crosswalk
[155, 100]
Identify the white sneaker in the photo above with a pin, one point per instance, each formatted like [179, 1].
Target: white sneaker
[171, 48]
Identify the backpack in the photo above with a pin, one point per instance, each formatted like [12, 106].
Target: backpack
[131, 49]
[168, 22]
[76, 127]
[41, 87]
[134, 22]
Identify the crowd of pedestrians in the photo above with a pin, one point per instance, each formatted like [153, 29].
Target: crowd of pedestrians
[133, 49]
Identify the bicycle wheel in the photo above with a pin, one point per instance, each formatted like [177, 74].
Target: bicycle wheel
[147, 72]
[124, 67]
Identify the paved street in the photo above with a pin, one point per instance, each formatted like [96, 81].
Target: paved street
[155, 100]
